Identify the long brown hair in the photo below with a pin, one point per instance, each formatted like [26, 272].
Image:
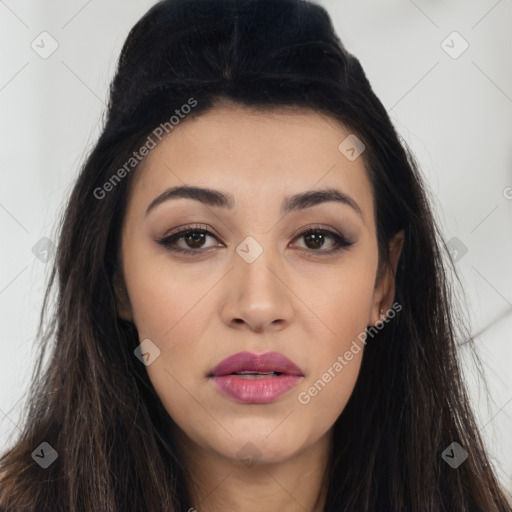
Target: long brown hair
[92, 401]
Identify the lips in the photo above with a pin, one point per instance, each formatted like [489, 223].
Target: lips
[247, 363]
[255, 378]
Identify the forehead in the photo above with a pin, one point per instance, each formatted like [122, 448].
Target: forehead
[254, 154]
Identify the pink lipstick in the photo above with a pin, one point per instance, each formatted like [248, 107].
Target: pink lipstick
[255, 378]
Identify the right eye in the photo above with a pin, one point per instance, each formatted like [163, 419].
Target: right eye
[193, 236]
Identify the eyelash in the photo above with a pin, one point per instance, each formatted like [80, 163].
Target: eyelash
[341, 242]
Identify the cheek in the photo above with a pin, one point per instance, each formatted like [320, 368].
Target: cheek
[341, 305]
[340, 300]
[171, 307]
[163, 295]
[324, 396]
[173, 312]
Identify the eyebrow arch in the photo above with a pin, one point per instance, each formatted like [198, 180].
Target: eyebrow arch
[221, 199]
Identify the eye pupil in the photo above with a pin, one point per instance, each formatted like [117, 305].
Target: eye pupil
[197, 239]
[318, 239]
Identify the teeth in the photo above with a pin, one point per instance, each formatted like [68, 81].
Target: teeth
[251, 372]
[247, 374]
[255, 375]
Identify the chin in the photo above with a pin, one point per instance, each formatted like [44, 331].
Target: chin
[255, 446]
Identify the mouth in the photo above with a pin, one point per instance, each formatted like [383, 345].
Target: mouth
[245, 374]
[253, 366]
[255, 378]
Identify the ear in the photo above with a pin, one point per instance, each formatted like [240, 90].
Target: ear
[123, 306]
[384, 292]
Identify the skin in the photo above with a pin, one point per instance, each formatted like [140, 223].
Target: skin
[199, 309]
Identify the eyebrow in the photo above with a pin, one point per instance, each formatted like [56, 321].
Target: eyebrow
[224, 200]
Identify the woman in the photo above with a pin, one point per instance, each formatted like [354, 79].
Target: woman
[253, 310]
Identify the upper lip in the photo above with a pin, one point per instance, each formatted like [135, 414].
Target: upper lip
[248, 361]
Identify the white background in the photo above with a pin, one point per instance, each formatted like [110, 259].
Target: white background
[455, 113]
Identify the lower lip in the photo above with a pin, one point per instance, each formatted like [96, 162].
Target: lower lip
[255, 391]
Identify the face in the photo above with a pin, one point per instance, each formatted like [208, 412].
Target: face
[260, 270]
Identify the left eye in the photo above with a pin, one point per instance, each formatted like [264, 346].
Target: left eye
[194, 238]
[316, 237]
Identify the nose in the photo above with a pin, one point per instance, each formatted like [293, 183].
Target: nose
[258, 296]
